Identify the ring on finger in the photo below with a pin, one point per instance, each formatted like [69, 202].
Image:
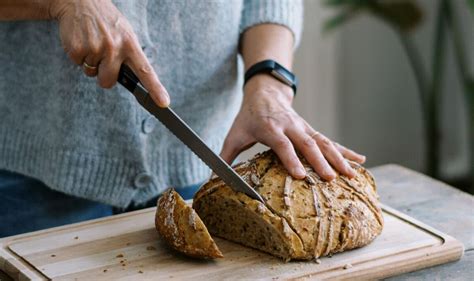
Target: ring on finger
[88, 66]
[314, 134]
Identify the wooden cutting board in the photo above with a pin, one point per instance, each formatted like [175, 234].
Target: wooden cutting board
[128, 247]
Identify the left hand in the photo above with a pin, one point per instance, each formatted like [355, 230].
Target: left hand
[266, 116]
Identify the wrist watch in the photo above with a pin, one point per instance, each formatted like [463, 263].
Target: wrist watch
[274, 69]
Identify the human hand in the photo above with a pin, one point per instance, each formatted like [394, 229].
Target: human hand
[97, 36]
[266, 116]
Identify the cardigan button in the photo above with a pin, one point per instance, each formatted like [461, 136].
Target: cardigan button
[142, 180]
[148, 124]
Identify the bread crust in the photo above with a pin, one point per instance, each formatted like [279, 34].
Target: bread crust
[309, 218]
[182, 228]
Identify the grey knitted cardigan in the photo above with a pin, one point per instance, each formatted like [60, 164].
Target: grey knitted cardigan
[58, 126]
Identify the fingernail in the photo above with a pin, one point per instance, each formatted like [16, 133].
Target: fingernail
[164, 100]
[351, 173]
[299, 172]
[349, 170]
[330, 174]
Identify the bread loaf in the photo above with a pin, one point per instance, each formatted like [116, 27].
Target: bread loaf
[302, 219]
[182, 229]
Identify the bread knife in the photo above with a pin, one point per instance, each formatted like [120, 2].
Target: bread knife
[185, 134]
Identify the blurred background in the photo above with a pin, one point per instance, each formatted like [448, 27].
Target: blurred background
[358, 64]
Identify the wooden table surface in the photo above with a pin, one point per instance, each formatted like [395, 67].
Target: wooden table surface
[434, 203]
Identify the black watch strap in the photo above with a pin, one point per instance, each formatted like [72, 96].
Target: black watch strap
[276, 70]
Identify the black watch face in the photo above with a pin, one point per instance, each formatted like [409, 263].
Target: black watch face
[283, 76]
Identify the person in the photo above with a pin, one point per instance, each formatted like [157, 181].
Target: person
[76, 147]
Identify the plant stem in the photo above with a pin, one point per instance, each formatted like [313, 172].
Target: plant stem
[433, 99]
[416, 63]
[418, 69]
[467, 82]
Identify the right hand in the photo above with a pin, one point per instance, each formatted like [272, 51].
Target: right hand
[97, 34]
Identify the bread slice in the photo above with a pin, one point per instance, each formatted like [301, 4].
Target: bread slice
[302, 219]
[182, 228]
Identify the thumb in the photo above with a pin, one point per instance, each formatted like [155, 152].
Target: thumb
[234, 144]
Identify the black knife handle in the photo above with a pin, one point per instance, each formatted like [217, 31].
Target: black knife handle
[127, 78]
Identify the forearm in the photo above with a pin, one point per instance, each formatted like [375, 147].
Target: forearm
[267, 41]
[11, 10]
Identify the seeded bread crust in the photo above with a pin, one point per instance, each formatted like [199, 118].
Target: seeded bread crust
[302, 219]
[182, 228]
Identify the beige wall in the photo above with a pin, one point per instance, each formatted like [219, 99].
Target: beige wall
[380, 107]
[357, 87]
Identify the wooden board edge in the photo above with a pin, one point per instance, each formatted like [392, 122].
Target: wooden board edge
[17, 268]
[25, 236]
[420, 225]
[450, 251]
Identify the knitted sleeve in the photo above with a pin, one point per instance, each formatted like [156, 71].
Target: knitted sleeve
[288, 13]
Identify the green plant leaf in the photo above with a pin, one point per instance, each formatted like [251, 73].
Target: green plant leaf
[470, 87]
[405, 15]
[470, 3]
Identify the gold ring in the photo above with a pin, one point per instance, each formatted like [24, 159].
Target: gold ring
[314, 134]
[86, 65]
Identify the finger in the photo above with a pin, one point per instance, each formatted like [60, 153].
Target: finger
[234, 144]
[283, 147]
[350, 154]
[333, 155]
[76, 52]
[108, 71]
[140, 65]
[310, 150]
[90, 66]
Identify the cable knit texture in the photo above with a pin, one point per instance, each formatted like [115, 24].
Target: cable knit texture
[58, 126]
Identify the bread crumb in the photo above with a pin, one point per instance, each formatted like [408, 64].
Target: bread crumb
[347, 266]
[119, 256]
[317, 261]
[53, 255]
[150, 248]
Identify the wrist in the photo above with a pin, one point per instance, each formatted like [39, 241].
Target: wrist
[53, 9]
[276, 70]
[264, 85]
[57, 8]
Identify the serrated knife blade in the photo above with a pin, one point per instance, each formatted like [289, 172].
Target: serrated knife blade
[185, 134]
